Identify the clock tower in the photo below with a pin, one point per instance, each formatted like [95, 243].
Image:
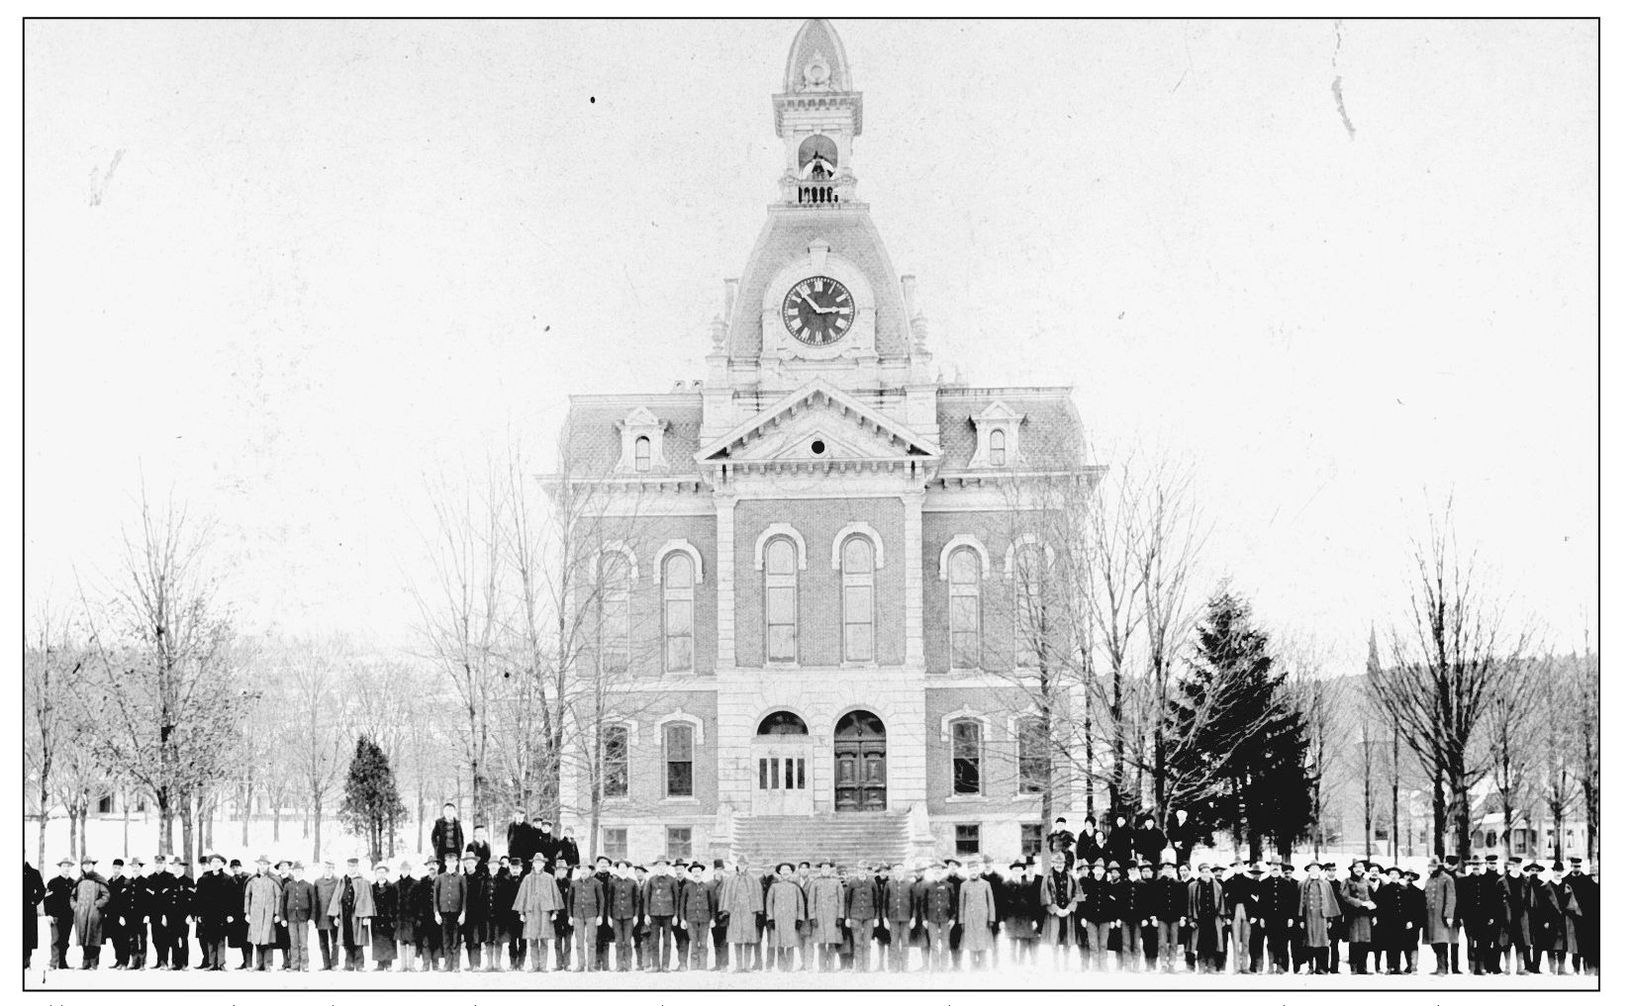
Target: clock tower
[819, 298]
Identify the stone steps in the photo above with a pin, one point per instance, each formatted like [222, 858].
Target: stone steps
[844, 838]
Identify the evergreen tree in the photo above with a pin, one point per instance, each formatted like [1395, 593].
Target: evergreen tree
[372, 805]
[1236, 727]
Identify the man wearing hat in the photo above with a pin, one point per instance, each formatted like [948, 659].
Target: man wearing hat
[178, 910]
[1513, 949]
[824, 901]
[237, 928]
[587, 906]
[695, 907]
[1317, 907]
[1392, 928]
[506, 889]
[1243, 910]
[134, 921]
[447, 838]
[449, 887]
[261, 910]
[1466, 909]
[535, 906]
[543, 837]
[1540, 914]
[59, 908]
[90, 897]
[217, 902]
[351, 908]
[1492, 914]
[623, 908]
[427, 929]
[662, 898]
[300, 907]
[154, 892]
[1279, 916]
[403, 934]
[325, 885]
[1439, 907]
[113, 916]
[519, 840]
[1584, 916]
[382, 925]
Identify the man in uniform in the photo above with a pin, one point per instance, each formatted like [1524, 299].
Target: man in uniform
[695, 909]
[587, 906]
[662, 899]
[326, 933]
[1515, 934]
[1466, 913]
[1439, 913]
[506, 888]
[237, 927]
[156, 891]
[449, 890]
[543, 838]
[427, 929]
[178, 910]
[135, 918]
[563, 918]
[113, 916]
[218, 903]
[898, 913]
[299, 908]
[1587, 900]
[59, 908]
[1492, 917]
[623, 909]
[1242, 905]
[1279, 908]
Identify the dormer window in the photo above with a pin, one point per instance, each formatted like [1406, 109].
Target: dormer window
[996, 436]
[642, 442]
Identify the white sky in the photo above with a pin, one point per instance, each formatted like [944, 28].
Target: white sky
[292, 270]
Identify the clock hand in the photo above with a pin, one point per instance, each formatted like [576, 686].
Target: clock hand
[813, 305]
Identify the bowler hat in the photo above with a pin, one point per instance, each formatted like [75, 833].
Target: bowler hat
[65, 861]
[235, 864]
[1533, 868]
[538, 857]
[118, 862]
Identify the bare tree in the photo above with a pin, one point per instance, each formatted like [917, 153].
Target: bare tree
[164, 682]
[1444, 671]
[462, 613]
[1316, 698]
[318, 738]
[1589, 770]
[1509, 740]
[50, 660]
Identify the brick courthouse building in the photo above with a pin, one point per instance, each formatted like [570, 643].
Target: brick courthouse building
[802, 634]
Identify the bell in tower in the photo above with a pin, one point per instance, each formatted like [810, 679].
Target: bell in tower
[818, 114]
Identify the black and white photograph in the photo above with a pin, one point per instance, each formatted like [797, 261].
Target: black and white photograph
[741, 505]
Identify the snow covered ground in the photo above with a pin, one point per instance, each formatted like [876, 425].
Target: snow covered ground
[464, 981]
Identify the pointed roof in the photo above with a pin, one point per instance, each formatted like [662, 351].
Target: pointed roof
[817, 41]
[819, 393]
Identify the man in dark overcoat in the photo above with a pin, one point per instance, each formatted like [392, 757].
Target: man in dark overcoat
[447, 839]
[327, 933]
[59, 908]
[33, 894]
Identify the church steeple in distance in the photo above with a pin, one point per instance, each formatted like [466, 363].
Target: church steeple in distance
[818, 114]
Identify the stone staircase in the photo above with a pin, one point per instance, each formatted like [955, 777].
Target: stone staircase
[844, 838]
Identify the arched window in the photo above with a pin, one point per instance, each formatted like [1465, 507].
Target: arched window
[614, 762]
[615, 573]
[1030, 610]
[781, 600]
[858, 601]
[678, 748]
[1033, 754]
[999, 449]
[642, 454]
[782, 723]
[963, 588]
[679, 593]
[966, 749]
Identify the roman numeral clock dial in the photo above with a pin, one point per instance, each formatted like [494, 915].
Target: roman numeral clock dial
[818, 311]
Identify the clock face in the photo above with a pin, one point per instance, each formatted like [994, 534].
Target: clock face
[818, 311]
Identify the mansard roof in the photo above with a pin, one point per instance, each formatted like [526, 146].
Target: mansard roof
[1051, 437]
[592, 441]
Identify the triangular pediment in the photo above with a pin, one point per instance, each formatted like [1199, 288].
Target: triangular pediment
[815, 423]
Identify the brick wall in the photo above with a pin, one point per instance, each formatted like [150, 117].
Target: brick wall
[819, 521]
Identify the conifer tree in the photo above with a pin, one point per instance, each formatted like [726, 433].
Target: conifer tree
[372, 804]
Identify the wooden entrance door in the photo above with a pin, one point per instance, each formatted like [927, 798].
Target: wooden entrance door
[860, 764]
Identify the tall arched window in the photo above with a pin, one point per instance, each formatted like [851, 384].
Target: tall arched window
[781, 600]
[642, 454]
[615, 574]
[967, 746]
[999, 449]
[679, 602]
[678, 741]
[1030, 621]
[963, 587]
[858, 601]
[614, 762]
[1033, 753]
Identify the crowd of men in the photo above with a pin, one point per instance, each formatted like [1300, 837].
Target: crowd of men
[540, 907]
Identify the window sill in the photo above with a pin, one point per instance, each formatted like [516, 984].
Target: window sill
[967, 798]
[681, 801]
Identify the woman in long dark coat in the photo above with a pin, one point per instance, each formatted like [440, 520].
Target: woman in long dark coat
[383, 927]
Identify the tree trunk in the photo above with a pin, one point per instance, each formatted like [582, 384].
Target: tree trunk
[124, 805]
[277, 818]
[187, 855]
[317, 829]
[166, 817]
[1118, 747]
[1394, 833]
[45, 819]
[73, 834]
[1439, 812]
[1369, 813]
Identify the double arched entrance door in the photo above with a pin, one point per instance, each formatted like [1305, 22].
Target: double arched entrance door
[860, 763]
